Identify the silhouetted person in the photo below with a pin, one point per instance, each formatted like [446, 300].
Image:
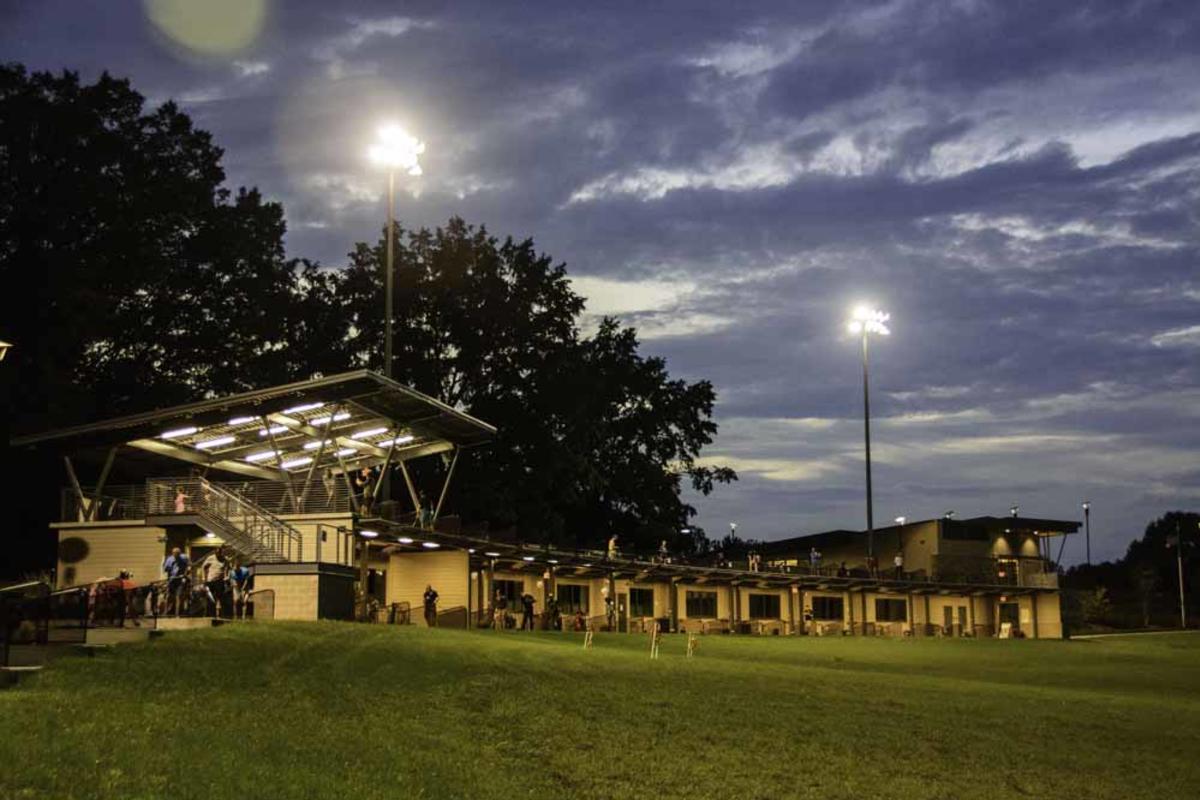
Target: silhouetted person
[176, 567]
[527, 602]
[430, 598]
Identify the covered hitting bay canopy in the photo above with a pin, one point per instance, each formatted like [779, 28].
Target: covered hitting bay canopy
[340, 423]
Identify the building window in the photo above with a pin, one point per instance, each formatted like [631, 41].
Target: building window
[572, 598]
[891, 610]
[641, 602]
[511, 591]
[827, 608]
[702, 604]
[764, 606]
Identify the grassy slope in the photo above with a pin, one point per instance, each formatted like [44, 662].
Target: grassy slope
[328, 709]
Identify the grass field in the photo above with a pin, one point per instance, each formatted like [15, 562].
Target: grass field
[351, 711]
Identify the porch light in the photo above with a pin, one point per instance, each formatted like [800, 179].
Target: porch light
[217, 442]
[368, 433]
[271, 431]
[209, 535]
[368, 534]
[296, 462]
[471, 550]
[242, 420]
[901, 520]
[405, 540]
[527, 558]
[303, 408]
[175, 434]
[431, 545]
[262, 456]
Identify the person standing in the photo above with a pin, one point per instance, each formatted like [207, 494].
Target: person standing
[239, 581]
[612, 547]
[814, 560]
[181, 499]
[176, 568]
[431, 598]
[527, 602]
[898, 563]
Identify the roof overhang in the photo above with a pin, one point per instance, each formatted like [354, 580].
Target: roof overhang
[338, 422]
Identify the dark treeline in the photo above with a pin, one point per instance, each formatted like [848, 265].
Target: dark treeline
[135, 279]
[1142, 588]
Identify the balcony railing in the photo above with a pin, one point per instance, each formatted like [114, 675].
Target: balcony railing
[1016, 571]
[128, 502]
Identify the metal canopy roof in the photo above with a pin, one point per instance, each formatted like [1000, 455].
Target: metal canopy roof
[339, 422]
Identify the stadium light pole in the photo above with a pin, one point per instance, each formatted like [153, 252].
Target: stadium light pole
[1087, 529]
[864, 321]
[394, 149]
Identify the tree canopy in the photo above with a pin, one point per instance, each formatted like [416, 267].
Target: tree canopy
[145, 281]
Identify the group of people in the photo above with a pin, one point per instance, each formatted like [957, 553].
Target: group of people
[219, 581]
[500, 617]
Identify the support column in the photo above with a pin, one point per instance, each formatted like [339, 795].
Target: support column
[1033, 600]
[928, 620]
[792, 593]
[864, 612]
[848, 610]
[971, 612]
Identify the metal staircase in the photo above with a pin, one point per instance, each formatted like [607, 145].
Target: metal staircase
[257, 534]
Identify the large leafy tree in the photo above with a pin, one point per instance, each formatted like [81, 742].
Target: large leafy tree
[131, 276]
[594, 438]
[142, 279]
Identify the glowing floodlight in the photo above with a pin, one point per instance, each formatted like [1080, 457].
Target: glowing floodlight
[864, 319]
[396, 149]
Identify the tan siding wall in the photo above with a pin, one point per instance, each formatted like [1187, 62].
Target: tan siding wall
[920, 545]
[1049, 613]
[309, 526]
[112, 549]
[409, 573]
[295, 595]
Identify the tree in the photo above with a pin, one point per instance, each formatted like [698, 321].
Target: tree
[594, 438]
[132, 277]
[143, 280]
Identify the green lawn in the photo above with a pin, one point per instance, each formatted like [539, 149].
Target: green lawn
[353, 711]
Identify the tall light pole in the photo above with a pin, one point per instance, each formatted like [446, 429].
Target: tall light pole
[394, 149]
[865, 321]
[1087, 529]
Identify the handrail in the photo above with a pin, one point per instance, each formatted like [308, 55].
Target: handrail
[267, 537]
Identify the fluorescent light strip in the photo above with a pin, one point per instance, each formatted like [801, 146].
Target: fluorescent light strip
[303, 408]
[263, 456]
[338, 417]
[217, 442]
[368, 433]
[346, 451]
[296, 462]
[271, 431]
[315, 445]
[242, 420]
[405, 540]
[175, 434]
[368, 534]
[430, 545]
[405, 439]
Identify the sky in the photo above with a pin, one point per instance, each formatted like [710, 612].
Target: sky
[1016, 183]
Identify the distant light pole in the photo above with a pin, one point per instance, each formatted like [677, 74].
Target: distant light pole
[865, 321]
[394, 149]
[1087, 529]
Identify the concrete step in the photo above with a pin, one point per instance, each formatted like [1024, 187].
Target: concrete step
[188, 623]
[116, 635]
